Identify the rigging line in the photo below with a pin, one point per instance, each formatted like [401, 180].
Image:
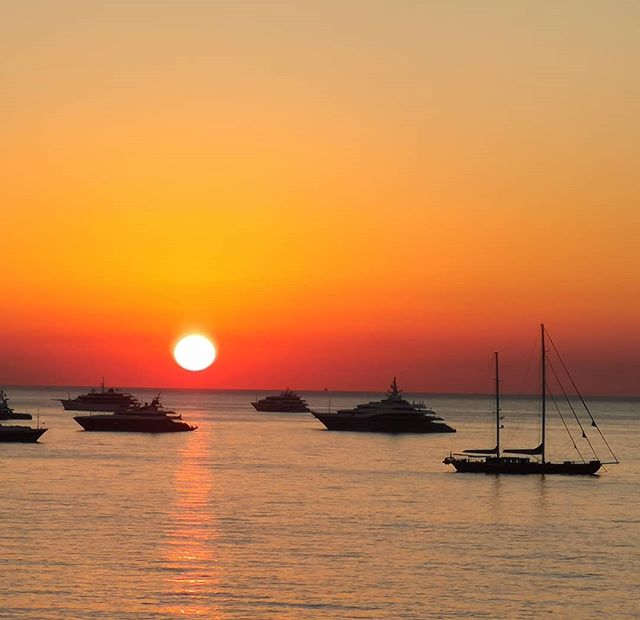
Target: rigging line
[567, 428]
[575, 415]
[584, 404]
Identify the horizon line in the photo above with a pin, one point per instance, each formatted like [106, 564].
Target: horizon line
[311, 390]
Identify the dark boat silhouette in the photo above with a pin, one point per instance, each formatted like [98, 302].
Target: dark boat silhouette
[287, 401]
[392, 414]
[20, 434]
[7, 413]
[494, 461]
[147, 418]
[109, 399]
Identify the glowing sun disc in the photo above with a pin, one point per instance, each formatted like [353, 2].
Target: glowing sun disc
[194, 352]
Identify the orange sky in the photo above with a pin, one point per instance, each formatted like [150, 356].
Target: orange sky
[336, 192]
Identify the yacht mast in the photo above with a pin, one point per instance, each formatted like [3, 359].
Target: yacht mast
[497, 407]
[544, 388]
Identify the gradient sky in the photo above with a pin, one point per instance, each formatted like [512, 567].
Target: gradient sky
[334, 191]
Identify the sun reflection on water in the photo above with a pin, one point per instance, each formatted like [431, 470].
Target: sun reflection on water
[188, 555]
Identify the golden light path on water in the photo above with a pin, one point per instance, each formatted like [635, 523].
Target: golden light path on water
[188, 552]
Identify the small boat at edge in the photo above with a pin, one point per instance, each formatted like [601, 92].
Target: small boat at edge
[7, 413]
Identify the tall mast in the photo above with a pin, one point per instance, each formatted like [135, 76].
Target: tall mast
[544, 387]
[497, 406]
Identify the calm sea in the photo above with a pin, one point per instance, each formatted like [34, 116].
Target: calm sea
[260, 515]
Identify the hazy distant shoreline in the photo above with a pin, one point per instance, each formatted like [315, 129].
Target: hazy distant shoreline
[354, 392]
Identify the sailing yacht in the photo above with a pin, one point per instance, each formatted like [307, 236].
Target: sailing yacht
[494, 461]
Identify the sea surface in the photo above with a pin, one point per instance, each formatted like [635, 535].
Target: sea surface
[259, 515]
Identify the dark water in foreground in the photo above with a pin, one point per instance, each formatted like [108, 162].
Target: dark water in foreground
[269, 516]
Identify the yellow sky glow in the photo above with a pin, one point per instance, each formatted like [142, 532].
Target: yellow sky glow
[297, 177]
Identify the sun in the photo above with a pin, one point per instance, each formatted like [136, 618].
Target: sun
[194, 352]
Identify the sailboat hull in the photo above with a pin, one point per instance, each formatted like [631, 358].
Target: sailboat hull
[522, 466]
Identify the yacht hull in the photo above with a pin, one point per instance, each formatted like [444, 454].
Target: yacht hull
[21, 434]
[381, 423]
[74, 405]
[15, 416]
[531, 467]
[261, 406]
[121, 425]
